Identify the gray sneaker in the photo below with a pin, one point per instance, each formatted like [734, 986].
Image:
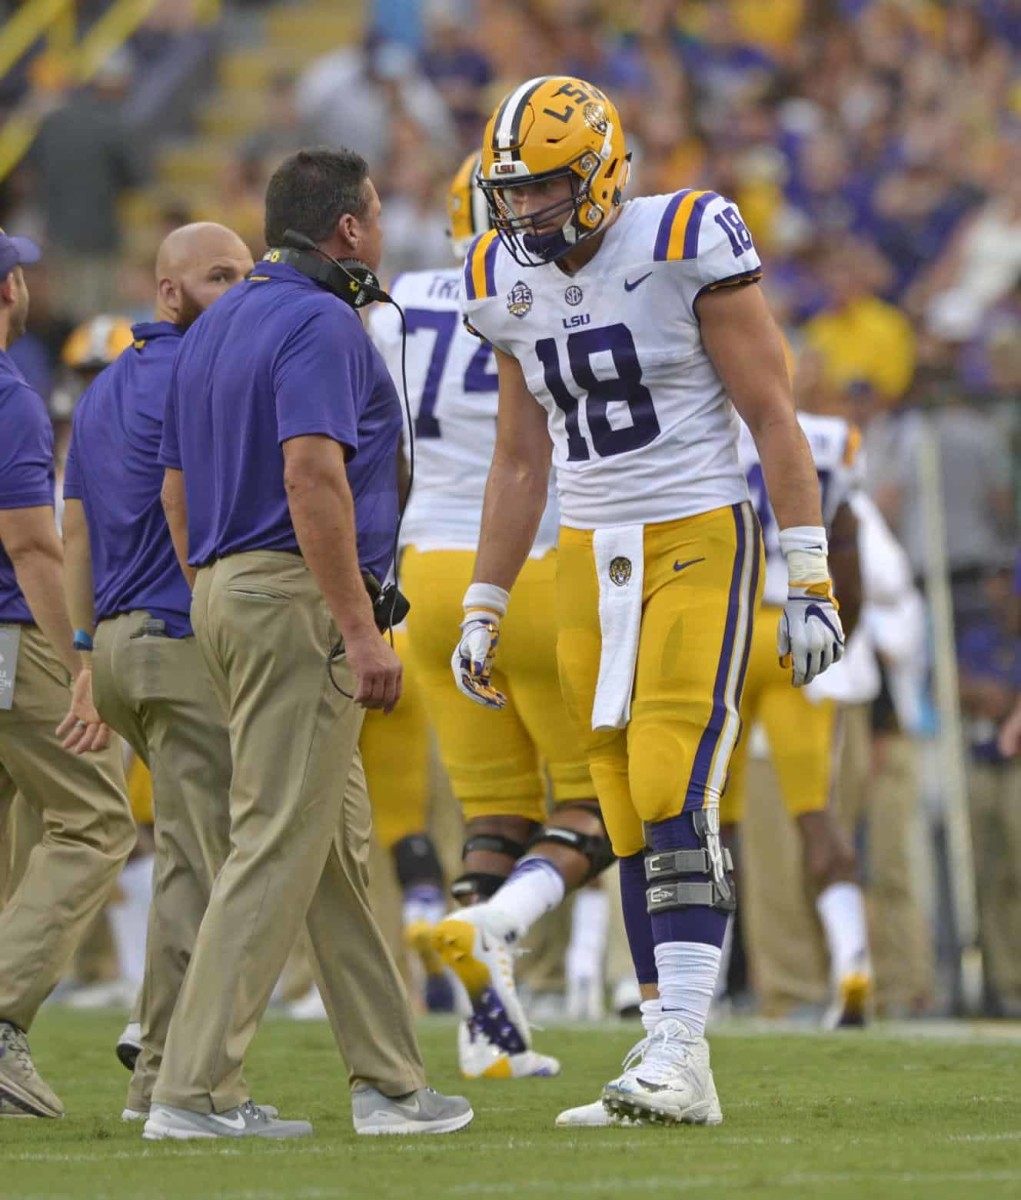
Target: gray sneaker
[140, 1114]
[247, 1120]
[424, 1111]
[22, 1088]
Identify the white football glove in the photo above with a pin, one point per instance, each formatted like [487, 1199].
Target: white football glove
[810, 637]
[472, 660]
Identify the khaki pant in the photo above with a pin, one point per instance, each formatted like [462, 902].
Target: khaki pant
[87, 832]
[300, 827]
[156, 693]
[994, 794]
[877, 788]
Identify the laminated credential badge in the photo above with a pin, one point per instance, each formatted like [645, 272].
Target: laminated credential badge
[10, 639]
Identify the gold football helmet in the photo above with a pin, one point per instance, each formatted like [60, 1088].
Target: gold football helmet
[96, 343]
[553, 127]
[466, 206]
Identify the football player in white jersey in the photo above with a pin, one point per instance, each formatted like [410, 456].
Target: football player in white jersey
[802, 729]
[517, 854]
[625, 337]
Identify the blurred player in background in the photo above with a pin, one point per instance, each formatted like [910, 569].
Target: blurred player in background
[626, 335]
[802, 731]
[519, 858]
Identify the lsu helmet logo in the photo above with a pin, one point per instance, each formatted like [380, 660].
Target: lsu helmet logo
[519, 300]
[620, 571]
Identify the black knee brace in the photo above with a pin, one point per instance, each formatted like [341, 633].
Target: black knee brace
[683, 878]
[484, 884]
[416, 861]
[594, 846]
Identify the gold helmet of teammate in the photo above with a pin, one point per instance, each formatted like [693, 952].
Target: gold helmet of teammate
[96, 343]
[466, 206]
[91, 347]
[549, 128]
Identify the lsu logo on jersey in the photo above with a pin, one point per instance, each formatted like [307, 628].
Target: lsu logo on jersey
[519, 300]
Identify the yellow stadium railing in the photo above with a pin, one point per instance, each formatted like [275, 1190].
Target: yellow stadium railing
[81, 57]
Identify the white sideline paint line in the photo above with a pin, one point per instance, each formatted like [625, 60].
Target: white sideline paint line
[986, 1137]
[696, 1183]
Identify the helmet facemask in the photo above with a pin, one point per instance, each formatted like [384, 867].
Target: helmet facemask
[577, 217]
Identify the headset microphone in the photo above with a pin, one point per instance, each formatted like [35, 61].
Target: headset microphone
[348, 279]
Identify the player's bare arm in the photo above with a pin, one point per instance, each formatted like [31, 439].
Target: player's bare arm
[515, 498]
[175, 509]
[518, 480]
[743, 342]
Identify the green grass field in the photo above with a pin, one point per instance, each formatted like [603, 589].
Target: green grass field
[868, 1116]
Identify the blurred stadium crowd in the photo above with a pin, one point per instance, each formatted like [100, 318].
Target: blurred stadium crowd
[872, 146]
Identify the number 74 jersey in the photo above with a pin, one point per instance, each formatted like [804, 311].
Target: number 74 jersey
[642, 428]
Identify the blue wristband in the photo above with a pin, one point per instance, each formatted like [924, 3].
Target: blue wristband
[82, 639]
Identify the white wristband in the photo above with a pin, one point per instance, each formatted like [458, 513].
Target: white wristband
[805, 548]
[486, 596]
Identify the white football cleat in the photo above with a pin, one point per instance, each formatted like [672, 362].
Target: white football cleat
[667, 1079]
[584, 1000]
[484, 964]
[852, 1005]
[309, 1007]
[479, 1058]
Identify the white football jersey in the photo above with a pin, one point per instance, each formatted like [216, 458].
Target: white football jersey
[834, 443]
[452, 392]
[642, 428]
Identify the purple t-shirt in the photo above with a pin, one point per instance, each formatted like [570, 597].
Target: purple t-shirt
[26, 469]
[278, 357]
[113, 469]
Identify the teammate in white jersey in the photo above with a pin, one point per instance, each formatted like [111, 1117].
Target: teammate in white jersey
[802, 730]
[517, 854]
[625, 336]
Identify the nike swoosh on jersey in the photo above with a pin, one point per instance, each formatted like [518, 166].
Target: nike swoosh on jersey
[679, 566]
[235, 1122]
[630, 285]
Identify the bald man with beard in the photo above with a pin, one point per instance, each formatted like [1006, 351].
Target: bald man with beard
[130, 602]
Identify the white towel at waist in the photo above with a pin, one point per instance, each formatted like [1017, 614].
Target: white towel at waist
[620, 567]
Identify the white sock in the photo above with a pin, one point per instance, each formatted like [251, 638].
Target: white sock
[652, 1014]
[589, 923]
[418, 906]
[725, 953]
[534, 887]
[129, 919]
[841, 909]
[687, 979]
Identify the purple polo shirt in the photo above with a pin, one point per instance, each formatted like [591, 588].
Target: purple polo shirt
[26, 469]
[113, 469]
[278, 357]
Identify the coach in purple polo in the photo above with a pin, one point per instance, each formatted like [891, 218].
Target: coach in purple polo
[126, 593]
[280, 442]
[78, 800]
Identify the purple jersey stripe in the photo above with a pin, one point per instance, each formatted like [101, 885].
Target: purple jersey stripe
[469, 284]
[754, 587]
[665, 226]
[491, 267]
[695, 224]
[695, 796]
